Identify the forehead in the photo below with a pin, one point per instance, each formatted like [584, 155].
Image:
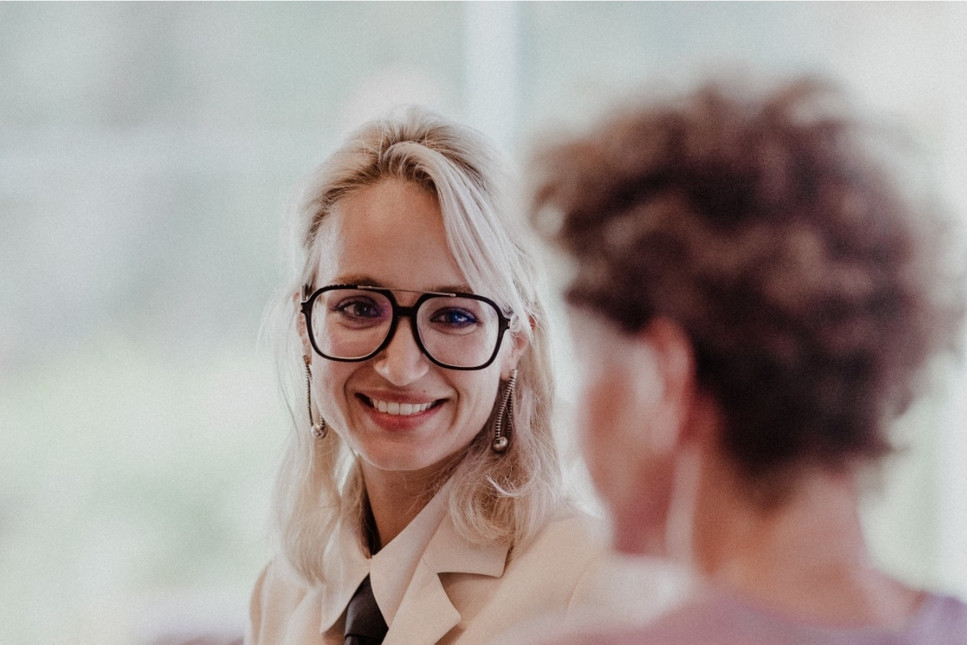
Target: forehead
[391, 233]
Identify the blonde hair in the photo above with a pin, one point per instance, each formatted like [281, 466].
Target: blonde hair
[495, 497]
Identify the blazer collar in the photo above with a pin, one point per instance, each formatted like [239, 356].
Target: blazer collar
[405, 573]
[426, 613]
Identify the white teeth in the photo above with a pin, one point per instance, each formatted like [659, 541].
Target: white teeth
[401, 409]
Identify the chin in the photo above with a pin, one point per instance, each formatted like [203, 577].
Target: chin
[396, 460]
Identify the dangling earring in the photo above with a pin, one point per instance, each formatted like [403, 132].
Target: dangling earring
[319, 428]
[501, 442]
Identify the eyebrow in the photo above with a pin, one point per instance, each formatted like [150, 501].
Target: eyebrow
[369, 281]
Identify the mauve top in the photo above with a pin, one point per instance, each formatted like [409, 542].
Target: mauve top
[715, 618]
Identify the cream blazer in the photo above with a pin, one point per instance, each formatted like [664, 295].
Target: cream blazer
[432, 585]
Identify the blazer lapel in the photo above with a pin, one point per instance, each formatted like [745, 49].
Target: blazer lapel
[303, 623]
[349, 567]
[449, 552]
[426, 612]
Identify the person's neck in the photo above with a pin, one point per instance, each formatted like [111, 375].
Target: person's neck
[396, 498]
[805, 558]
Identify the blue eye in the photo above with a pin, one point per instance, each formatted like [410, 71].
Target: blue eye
[454, 318]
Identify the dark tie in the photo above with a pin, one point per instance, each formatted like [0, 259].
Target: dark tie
[364, 622]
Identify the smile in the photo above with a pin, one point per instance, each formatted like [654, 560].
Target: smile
[399, 409]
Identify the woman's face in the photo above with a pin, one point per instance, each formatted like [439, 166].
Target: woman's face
[391, 235]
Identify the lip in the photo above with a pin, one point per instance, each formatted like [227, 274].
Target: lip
[396, 411]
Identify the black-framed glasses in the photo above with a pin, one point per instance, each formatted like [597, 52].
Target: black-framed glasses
[348, 322]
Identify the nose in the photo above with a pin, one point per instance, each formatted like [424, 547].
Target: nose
[402, 361]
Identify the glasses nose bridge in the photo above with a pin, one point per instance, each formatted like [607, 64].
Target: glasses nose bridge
[401, 311]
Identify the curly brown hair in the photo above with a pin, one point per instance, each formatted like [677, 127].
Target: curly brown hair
[811, 290]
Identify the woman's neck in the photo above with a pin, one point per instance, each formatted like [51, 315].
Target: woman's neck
[806, 558]
[396, 497]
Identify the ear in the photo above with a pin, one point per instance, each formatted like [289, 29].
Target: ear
[300, 323]
[637, 400]
[674, 358]
[518, 344]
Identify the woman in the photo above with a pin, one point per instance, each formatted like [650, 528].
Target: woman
[421, 479]
[755, 299]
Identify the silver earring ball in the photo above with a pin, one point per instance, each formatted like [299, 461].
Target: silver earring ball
[500, 444]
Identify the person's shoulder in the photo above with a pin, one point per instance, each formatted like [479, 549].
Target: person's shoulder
[277, 591]
[672, 620]
[278, 577]
[616, 596]
[569, 539]
[568, 524]
[947, 604]
[942, 615]
[714, 617]
[574, 547]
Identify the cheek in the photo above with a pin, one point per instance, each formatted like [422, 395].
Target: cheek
[328, 384]
[478, 394]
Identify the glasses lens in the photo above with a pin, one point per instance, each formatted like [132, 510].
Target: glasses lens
[350, 323]
[458, 331]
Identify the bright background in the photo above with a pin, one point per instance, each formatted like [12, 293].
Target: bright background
[148, 153]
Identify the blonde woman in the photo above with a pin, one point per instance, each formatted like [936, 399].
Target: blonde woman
[420, 499]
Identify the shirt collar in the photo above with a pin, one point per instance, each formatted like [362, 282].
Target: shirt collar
[429, 541]
[391, 569]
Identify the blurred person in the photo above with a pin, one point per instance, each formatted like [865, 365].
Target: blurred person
[421, 496]
[755, 299]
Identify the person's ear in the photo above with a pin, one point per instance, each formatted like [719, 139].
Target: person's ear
[518, 345]
[300, 323]
[674, 361]
[636, 400]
